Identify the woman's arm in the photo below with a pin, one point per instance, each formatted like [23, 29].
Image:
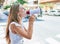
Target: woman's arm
[25, 29]
[26, 34]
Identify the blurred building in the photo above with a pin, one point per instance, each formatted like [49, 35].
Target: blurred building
[50, 4]
[1, 3]
[45, 1]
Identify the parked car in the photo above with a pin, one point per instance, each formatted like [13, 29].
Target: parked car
[52, 12]
[3, 16]
[57, 13]
[6, 12]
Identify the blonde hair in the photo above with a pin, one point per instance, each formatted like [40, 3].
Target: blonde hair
[12, 17]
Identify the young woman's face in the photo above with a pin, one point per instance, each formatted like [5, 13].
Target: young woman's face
[22, 12]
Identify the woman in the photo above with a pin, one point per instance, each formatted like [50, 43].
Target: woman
[15, 31]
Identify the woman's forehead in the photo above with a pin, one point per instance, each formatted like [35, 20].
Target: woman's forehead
[21, 7]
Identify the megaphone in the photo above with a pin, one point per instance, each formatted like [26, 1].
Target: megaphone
[35, 11]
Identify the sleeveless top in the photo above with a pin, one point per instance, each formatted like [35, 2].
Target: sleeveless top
[15, 38]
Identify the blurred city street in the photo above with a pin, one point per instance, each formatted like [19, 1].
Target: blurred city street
[46, 31]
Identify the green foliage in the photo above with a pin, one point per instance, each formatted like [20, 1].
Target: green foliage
[7, 6]
[18, 1]
[21, 1]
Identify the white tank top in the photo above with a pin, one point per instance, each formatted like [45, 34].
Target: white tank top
[15, 38]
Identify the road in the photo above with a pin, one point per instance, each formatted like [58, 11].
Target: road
[46, 31]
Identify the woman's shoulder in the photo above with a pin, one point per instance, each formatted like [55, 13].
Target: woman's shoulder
[15, 23]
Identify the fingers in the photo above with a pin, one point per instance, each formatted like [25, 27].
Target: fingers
[33, 16]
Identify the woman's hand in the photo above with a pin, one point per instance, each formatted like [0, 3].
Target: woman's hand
[32, 19]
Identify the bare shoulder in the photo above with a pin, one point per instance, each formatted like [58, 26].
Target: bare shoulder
[13, 27]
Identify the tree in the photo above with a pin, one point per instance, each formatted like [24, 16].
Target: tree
[21, 1]
[18, 1]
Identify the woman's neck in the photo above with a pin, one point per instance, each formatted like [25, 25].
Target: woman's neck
[20, 21]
